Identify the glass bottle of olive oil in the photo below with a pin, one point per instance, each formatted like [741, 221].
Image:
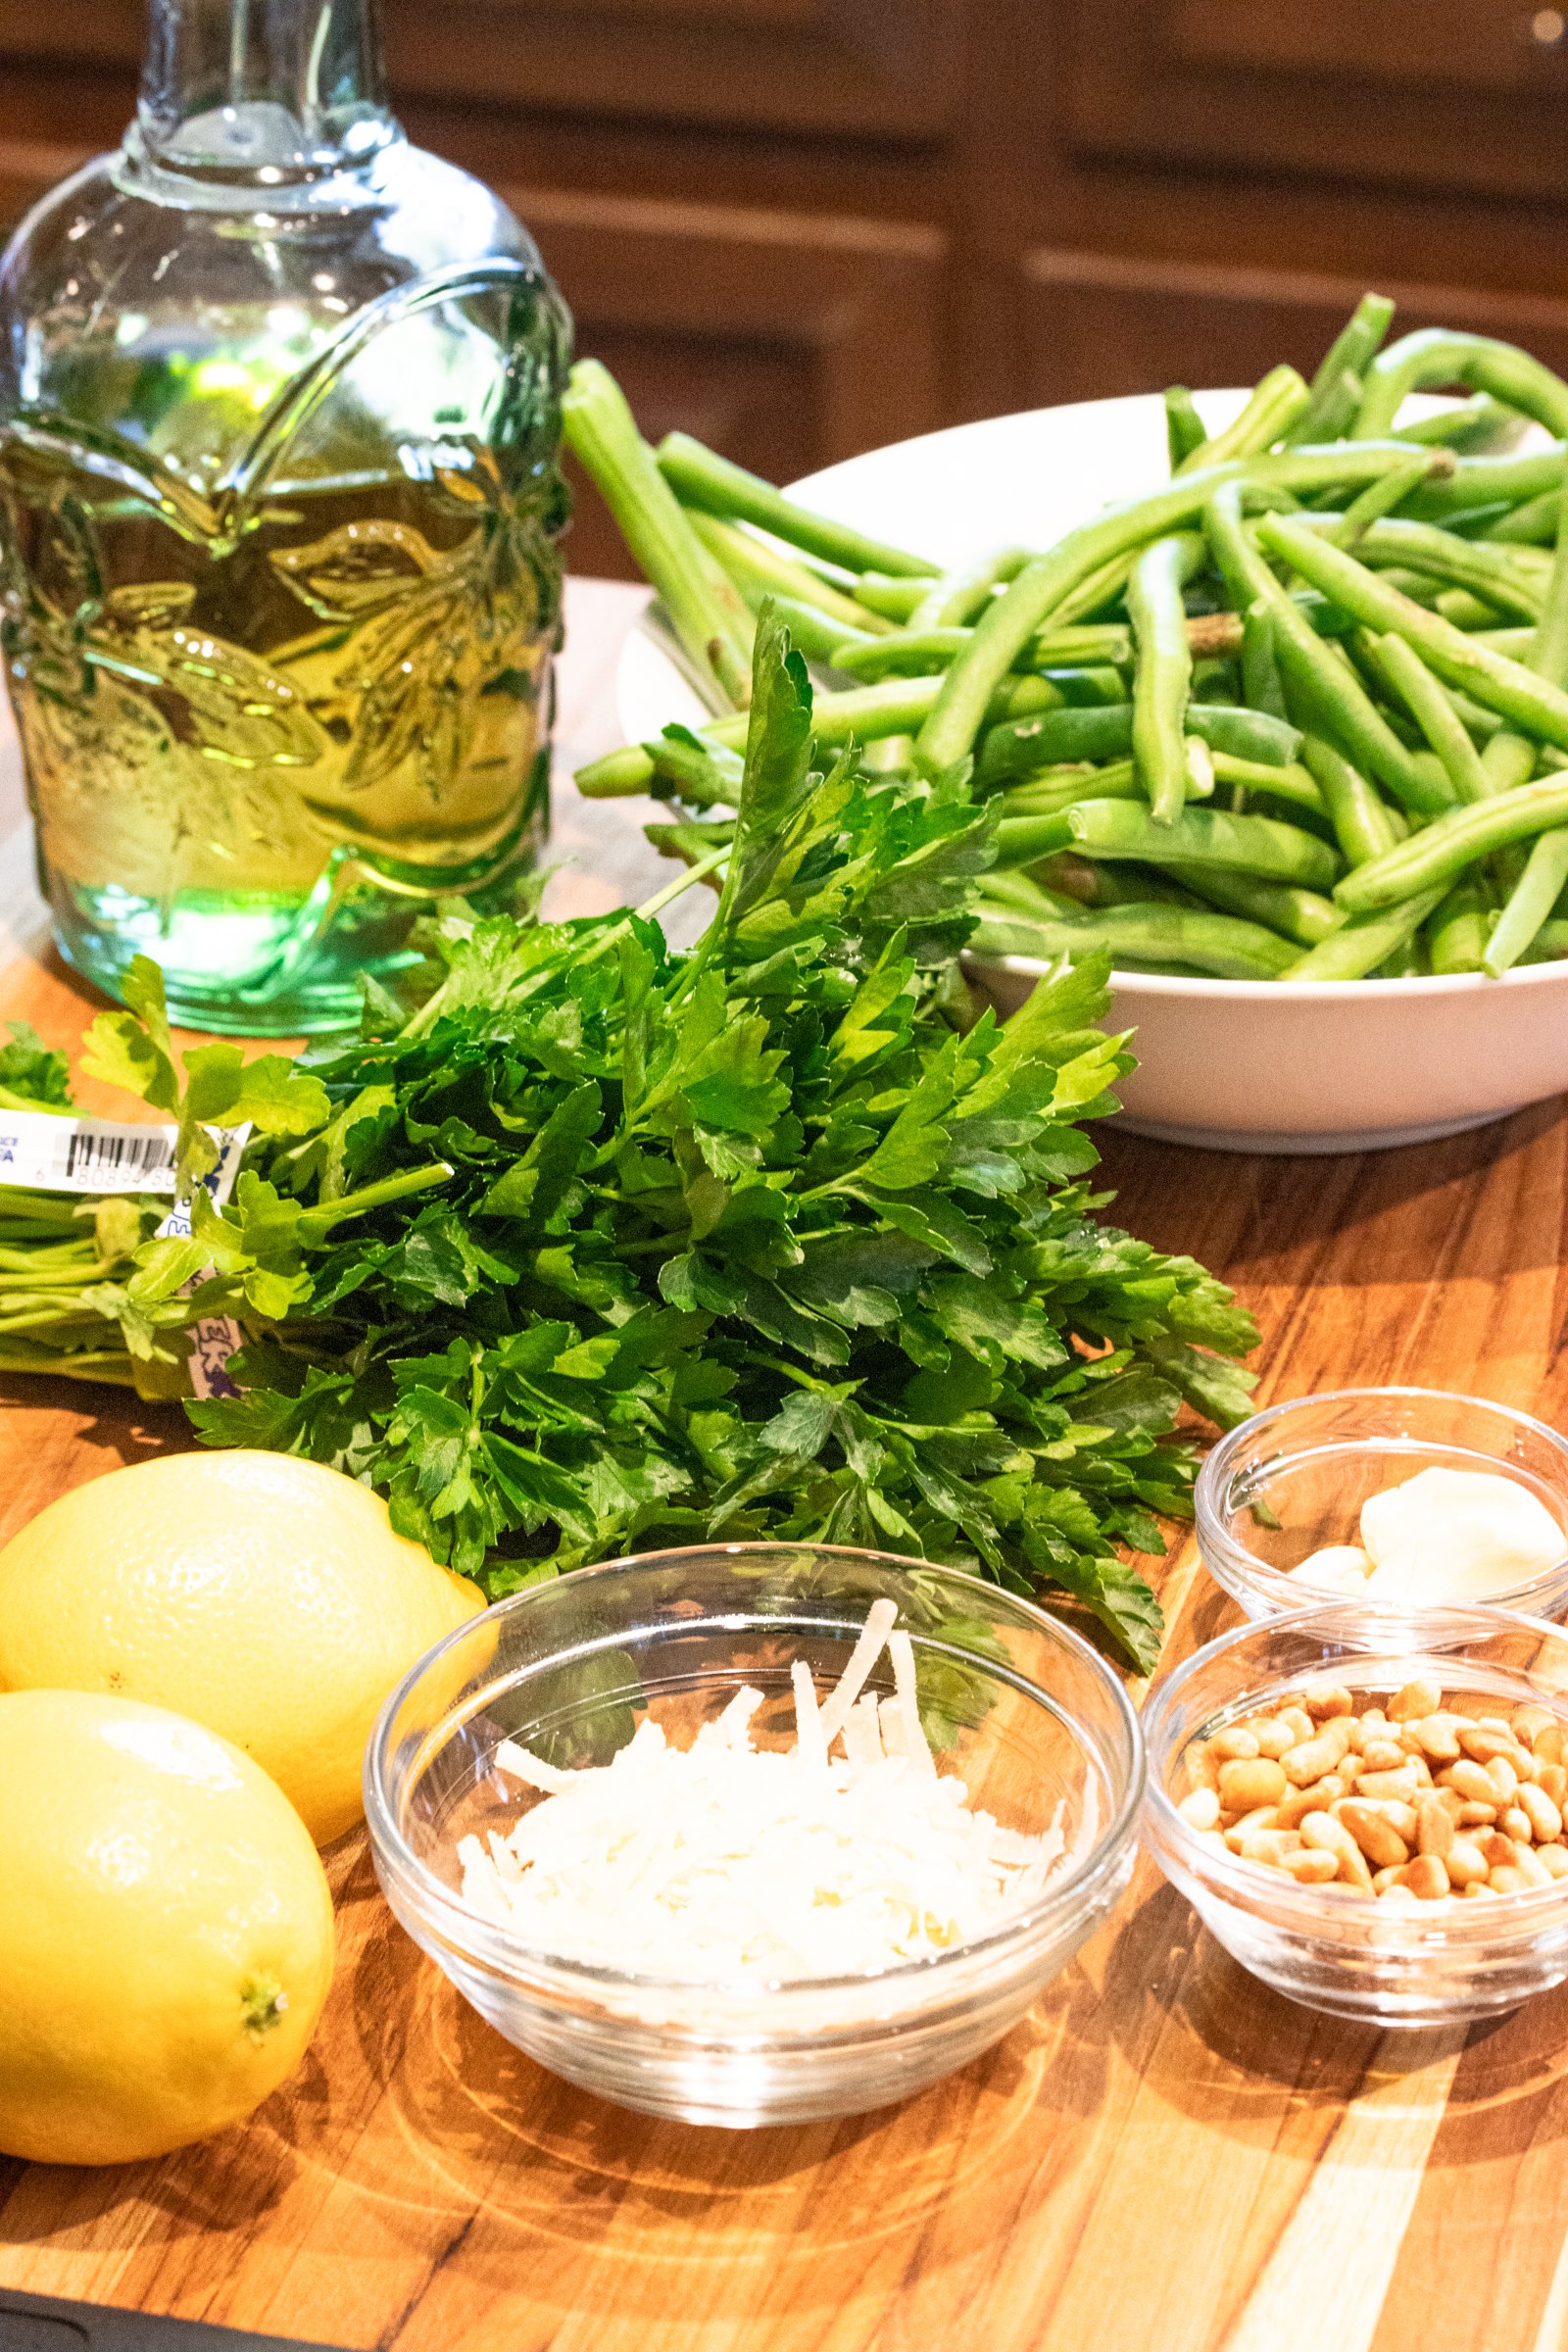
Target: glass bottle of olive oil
[279, 505]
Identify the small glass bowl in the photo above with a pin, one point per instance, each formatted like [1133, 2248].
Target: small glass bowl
[1291, 1481]
[1440, 1964]
[1026, 1714]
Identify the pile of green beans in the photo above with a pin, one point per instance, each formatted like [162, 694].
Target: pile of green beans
[1301, 713]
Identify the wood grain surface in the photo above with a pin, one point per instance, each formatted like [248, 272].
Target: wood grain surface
[1164, 2156]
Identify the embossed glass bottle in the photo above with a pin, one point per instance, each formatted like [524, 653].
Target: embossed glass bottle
[279, 416]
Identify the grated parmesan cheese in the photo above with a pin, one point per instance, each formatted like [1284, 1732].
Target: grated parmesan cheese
[723, 1860]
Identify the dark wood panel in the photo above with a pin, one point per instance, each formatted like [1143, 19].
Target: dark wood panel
[1100, 324]
[1320, 86]
[786, 340]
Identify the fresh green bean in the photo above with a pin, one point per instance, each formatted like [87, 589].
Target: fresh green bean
[906, 652]
[1043, 587]
[1510, 759]
[1530, 902]
[1262, 684]
[959, 596]
[706, 774]
[1539, 708]
[1434, 355]
[1164, 677]
[861, 714]
[1247, 845]
[1338, 704]
[1488, 481]
[709, 616]
[699, 478]
[1436, 856]
[1475, 424]
[1216, 945]
[1107, 733]
[1463, 562]
[1517, 644]
[1378, 499]
[1458, 930]
[1276, 402]
[1292, 784]
[1185, 430]
[1303, 916]
[1362, 825]
[1044, 794]
[1403, 671]
[1548, 656]
[1550, 944]
[1336, 386]
[758, 569]
[1533, 525]
[1364, 943]
[894, 599]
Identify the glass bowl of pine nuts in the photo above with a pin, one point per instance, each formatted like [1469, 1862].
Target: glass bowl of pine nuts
[1368, 1811]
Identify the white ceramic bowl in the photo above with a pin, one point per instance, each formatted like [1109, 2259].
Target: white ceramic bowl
[1238, 1065]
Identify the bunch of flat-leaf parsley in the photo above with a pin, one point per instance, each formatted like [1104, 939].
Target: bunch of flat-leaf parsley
[610, 1246]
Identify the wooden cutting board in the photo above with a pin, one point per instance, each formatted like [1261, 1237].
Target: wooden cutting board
[1164, 2158]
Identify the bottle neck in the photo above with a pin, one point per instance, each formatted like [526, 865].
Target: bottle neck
[260, 94]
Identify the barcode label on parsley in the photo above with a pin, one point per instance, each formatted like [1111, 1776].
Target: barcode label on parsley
[39, 1152]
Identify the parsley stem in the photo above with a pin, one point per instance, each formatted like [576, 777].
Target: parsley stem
[317, 1223]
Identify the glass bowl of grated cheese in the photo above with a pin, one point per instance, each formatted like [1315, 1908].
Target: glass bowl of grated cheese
[1400, 1499]
[752, 1834]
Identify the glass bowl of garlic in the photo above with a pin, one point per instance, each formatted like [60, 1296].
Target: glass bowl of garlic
[1399, 1500]
[749, 1834]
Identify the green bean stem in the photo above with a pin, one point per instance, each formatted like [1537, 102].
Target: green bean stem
[709, 616]
[1539, 708]
[1164, 673]
[699, 478]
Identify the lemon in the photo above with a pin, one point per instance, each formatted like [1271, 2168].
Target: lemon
[264, 1596]
[166, 1931]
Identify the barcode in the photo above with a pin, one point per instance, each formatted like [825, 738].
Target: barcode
[99, 1158]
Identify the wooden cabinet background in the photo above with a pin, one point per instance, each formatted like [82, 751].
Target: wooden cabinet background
[801, 227]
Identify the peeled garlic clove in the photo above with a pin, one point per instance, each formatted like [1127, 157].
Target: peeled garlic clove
[1456, 1535]
[1336, 1568]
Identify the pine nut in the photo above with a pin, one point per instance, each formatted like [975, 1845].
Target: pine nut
[1272, 1738]
[1529, 1861]
[1551, 1745]
[1477, 1817]
[1553, 1859]
[1295, 1808]
[1506, 1879]
[1402, 1784]
[1466, 1863]
[1483, 1741]
[1515, 1824]
[1248, 1782]
[1327, 1700]
[1417, 1698]
[1436, 1738]
[1552, 1781]
[1332, 1838]
[1298, 1721]
[1399, 1898]
[1425, 1877]
[1200, 1808]
[1472, 1780]
[1477, 1887]
[1311, 1866]
[1237, 1745]
[1527, 1723]
[1497, 1849]
[1265, 1845]
[1434, 1828]
[1260, 1817]
[1380, 1843]
[1310, 1761]
[1505, 1778]
[1382, 1756]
